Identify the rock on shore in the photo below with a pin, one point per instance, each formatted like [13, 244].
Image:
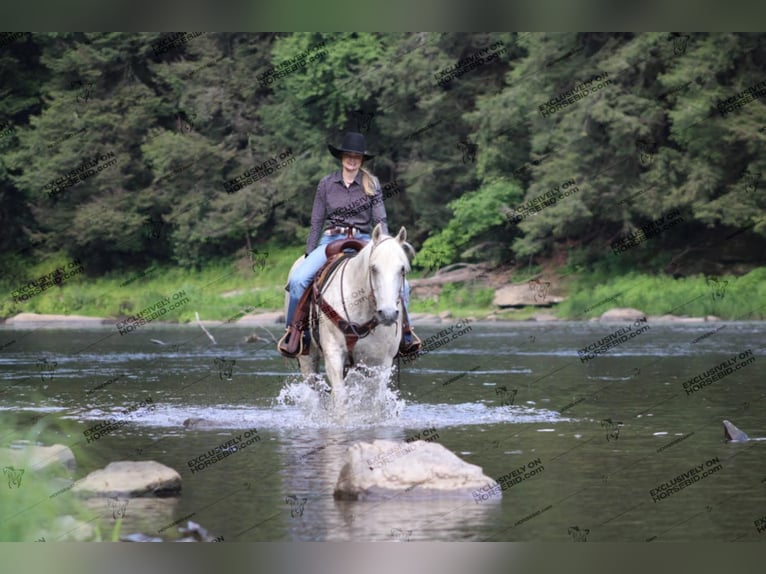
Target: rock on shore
[522, 295]
[622, 314]
[425, 469]
[54, 459]
[35, 319]
[262, 319]
[627, 314]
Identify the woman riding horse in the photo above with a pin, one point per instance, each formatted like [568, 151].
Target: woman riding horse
[347, 203]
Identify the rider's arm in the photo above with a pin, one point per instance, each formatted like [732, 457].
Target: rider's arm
[317, 216]
[378, 209]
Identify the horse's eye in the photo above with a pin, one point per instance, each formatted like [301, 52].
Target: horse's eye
[374, 269]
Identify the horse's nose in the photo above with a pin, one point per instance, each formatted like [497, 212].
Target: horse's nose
[387, 317]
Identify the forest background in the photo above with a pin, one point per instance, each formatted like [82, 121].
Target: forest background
[152, 163]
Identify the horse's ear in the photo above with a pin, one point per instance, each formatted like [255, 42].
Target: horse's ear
[376, 233]
[401, 237]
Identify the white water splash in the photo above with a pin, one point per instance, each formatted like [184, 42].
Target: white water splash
[366, 399]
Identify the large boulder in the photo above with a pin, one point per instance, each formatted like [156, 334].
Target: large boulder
[422, 469]
[524, 294]
[130, 478]
[622, 314]
[55, 459]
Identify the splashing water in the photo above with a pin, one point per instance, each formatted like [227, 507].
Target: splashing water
[365, 399]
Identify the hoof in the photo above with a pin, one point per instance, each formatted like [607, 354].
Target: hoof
[319, 386]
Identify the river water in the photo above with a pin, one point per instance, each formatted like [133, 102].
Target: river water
[590, 445]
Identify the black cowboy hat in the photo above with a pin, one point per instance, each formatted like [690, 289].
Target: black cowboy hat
[352, 142]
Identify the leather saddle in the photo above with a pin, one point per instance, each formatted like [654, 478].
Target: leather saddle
[341, 245]
[335, 252]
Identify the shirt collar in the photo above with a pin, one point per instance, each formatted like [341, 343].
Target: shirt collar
[339, 177]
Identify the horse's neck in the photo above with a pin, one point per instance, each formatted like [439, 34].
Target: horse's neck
[358, 269]
[356, 278]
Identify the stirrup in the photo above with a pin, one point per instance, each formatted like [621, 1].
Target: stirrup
[411, 348]
[291, 343]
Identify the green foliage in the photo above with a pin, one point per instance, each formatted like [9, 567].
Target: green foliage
[461, 300]
[182, 123]
[651, 131]
[478, 217]
[27, 509]
[116, 530]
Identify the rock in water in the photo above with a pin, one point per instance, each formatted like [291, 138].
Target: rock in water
[140, 537]
[733, 434]
[193, 532]
[130, 478]
[199, 423]
[192, 422]
[425, 469]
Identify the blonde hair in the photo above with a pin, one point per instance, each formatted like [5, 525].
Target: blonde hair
[369, 182]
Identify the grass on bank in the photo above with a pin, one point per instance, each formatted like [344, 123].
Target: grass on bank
[218, 292]
[224, 288]
[211, 291]
[27, 510]
[460, 299]
[728, 297]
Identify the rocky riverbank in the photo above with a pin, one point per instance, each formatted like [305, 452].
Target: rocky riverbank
[276, 319]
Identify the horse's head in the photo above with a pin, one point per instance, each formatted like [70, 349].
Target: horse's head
[389, 262]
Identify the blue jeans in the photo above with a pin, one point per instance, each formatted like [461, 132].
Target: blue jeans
[304, 274]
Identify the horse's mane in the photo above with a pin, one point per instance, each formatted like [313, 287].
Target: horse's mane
[409, 251]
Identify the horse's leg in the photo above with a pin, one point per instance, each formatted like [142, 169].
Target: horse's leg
[308, 371]
[334, 359]
[310, 367]
[310, 363]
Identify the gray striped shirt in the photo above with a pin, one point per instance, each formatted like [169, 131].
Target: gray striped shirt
[339, 206]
